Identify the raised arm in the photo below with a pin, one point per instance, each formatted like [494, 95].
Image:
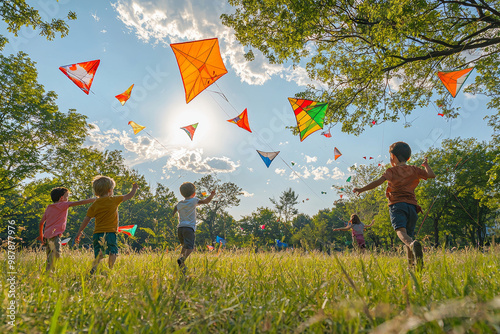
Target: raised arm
[131, 193]
[373, 222]
[370, 186]
[82, 227]
[428, 169]
[82, 202]
[347, 228]
[208, 199]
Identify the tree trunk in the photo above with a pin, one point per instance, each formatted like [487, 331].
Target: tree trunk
[436, 231]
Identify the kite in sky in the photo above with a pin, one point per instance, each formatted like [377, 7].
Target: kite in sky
[370, 158]
[293, 163]
[310, 115]
[323, 192]
[454, 80]
[128, 230]
[374, 122]
[136, 127]
[123, 97]
[220, 240]
[190, 129]
[210, 248]
[241, 120]
[65, 241]
[439, 114]
[348, 179]
[262, 227]
[200, 64]
[268, 157]
[327, 134]
[82, 74]
[336, 153]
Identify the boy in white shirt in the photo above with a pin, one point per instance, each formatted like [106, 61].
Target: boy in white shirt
[187, 219]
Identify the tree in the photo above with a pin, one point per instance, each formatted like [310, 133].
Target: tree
[227, 197]
[285, 206]
[262, 217]
[32, 129]
[17, 13]
[376, 60]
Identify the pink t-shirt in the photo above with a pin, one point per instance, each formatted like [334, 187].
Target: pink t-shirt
[55, 217]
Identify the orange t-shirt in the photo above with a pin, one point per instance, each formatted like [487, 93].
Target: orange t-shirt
[401, 183]
[105, 211]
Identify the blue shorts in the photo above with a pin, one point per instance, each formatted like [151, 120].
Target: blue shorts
[403, 215]
[108, 245]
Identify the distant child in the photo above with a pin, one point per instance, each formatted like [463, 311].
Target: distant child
[402, 180]
[105, 212]
[55, 218]
[187, 219]
[358, 229]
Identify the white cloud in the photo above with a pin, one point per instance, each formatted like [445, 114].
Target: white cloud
[318, 173]
[283, 143]
[96, 18]
[279, 171]
[142, 149]
[311, 159]
[151, 170]
[103, 31]
[246, 194]
[193, 161]
[250, 169]
[330, 161]
[170, 21]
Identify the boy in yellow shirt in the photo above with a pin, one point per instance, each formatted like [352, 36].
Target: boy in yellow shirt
[105, 212]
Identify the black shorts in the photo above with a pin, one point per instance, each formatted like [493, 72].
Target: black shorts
[403, 215]
[186, 237]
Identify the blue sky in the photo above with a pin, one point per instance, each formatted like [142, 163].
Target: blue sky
[131, 38]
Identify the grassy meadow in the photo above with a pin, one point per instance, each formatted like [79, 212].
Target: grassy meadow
[244, 292]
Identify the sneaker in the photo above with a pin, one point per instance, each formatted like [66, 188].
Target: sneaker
[180, 262]
[411, 257]
[416, 248]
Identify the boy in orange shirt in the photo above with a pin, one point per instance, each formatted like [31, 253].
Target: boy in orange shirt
[105, 211]
[54, 219]
[402, 180]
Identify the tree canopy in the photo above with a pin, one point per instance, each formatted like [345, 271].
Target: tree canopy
[17, 13]
[375, 60]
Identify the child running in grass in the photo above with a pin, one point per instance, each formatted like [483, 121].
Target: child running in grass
[358, 229]
[54, 219]
[402, 180]
[105, 211]
[187, 220]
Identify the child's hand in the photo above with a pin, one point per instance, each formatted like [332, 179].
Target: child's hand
[40, 237]
[135, 186]
[212, 193]
[425, 162]
[357, 191]
[77, 239]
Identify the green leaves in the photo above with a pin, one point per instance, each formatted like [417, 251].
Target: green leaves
[377, 58]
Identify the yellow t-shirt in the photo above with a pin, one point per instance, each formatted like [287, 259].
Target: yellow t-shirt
[105, 211]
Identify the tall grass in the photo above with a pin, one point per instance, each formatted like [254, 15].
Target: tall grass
[244, 292]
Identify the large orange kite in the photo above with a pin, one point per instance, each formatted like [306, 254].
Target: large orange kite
[200, 64]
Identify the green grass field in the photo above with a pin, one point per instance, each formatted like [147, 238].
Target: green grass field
[243, 292]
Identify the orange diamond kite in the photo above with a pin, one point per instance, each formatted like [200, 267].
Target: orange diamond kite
[453, 81]
[200, 64]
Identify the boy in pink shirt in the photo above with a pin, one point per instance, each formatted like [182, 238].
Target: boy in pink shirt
[55, 218]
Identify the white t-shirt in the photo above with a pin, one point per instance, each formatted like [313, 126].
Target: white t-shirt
[187, 212]
[358, 229]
